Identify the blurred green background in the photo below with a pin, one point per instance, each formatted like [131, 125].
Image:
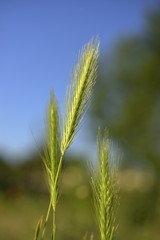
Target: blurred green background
[126, 100]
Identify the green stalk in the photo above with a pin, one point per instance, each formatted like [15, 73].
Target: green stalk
[54, 225]
[46, 220]
[50, 203]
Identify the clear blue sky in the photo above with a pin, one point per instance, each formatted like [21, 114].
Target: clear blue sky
[39, 42]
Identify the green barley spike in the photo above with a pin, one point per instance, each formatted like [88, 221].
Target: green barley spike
[51, 152]
[105, 192]
[79, 91]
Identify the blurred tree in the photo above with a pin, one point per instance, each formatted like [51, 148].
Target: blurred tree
[127, 98]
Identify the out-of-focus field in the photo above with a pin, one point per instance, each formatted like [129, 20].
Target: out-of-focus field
[23, 201]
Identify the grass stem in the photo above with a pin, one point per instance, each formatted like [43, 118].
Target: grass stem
[46, 220]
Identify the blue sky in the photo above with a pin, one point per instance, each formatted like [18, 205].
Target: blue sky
[39, 42]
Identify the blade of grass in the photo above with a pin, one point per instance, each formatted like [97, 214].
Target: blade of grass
[38, 228]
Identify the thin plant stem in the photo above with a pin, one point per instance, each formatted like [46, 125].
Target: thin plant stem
[58, 169]
[50, 203]
[54, 225]
[46, 219]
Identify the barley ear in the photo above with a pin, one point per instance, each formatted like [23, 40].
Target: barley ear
[105, 192]
[52, 151]
[79, 91]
